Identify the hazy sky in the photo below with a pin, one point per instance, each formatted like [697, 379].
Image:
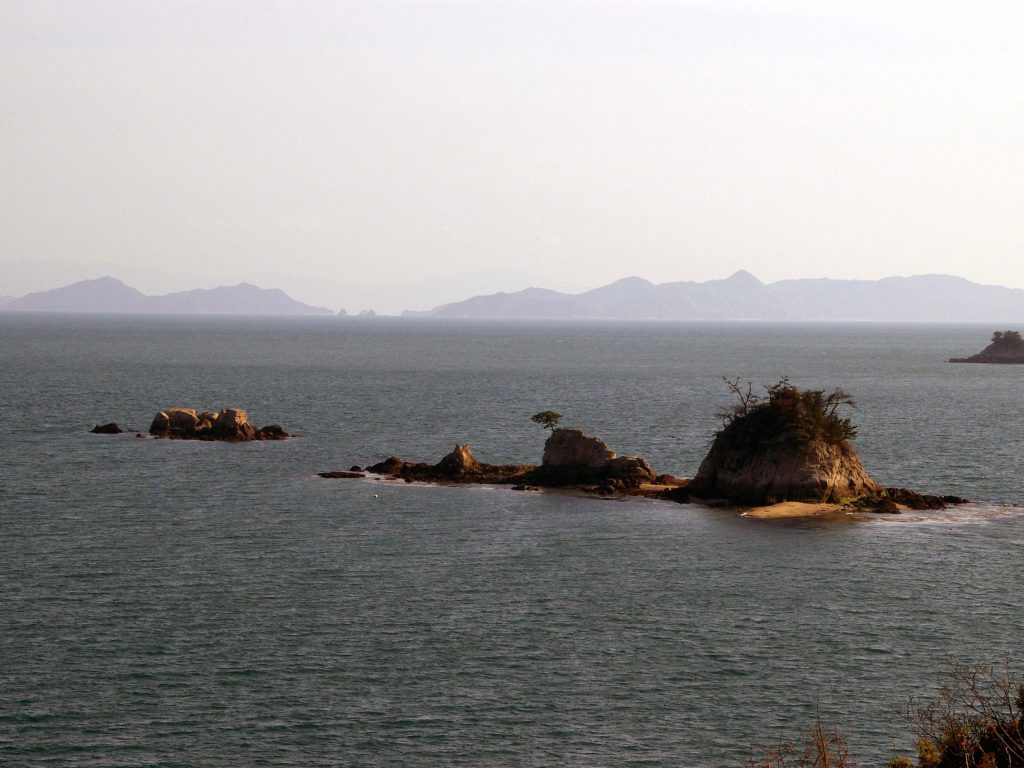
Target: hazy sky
[576, 141]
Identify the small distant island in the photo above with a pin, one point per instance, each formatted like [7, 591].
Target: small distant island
[1007, 348]
[784, 454]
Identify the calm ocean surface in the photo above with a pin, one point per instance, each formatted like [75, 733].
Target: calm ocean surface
[172, 603]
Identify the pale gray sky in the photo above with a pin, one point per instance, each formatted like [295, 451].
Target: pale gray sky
[575, 141]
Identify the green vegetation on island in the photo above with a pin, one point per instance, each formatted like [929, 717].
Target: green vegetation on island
[1007, 348]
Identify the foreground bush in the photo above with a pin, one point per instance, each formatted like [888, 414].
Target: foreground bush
[975, 721]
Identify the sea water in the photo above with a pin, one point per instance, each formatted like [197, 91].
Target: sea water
[168, 603]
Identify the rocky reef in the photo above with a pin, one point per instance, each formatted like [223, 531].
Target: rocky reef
[1007, 348]
[229, 424]
[571, 458]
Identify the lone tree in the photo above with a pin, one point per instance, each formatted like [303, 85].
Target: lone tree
[547, 419]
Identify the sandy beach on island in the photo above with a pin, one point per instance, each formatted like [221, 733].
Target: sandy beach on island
[795, 509]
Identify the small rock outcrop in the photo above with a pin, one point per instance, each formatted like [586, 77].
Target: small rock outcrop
[1007, 348]
[229, 424]
[106, 429]
[458, 466]
[570, 448]
[570, 456]
[459, 463]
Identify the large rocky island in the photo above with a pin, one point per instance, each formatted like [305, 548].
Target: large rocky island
[1007, 348]
[787, 453]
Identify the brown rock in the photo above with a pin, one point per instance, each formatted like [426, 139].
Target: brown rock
[272, 432]
[233, 424]
[106, 429]
[631, 469]
[230, 424]
[572, 449]
[458, 463]
[914, 500]
[818, 471]
[390, 466]
[667, 479]
[570, 456]
[181, 423]
[341, 474]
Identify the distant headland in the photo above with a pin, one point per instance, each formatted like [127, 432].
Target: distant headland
[109, 295]
[1007, 348]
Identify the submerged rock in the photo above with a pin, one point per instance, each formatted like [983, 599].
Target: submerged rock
[106, 429]
[229, 424]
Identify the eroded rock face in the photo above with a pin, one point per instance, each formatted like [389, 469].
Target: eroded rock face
[572, 448]
[229, 424]
[572, 456]
[816, 471]
[233, 424]
[459, 462]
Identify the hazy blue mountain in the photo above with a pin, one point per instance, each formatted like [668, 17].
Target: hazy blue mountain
[938, 298]
[107, 294]
[241, 299]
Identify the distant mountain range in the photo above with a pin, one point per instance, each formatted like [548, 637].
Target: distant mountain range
[107, 294]
[921, 298]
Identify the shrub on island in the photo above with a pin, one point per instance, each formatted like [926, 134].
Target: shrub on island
[790, 444]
